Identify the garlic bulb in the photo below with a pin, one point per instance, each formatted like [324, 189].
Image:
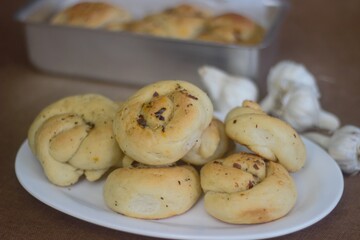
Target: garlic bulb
[343, 146]
[302, 110]
[294, 97]
[284, 76]
[227, 91]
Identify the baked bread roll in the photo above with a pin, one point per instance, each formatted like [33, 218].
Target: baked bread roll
[161, 122]
[182, 22]
[74, 136]
[267, 136]
[187, 10]
[152, 192]
[245, 189]
[91, 15]
[232, 28]
[213, 144]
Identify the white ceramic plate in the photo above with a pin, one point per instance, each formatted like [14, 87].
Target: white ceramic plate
[320, 186]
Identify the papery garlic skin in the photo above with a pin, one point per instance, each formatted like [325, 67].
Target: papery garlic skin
[299, 109]
[294, 97]
[282, 78]
[302, 110]
[227, 91]
[343, 146]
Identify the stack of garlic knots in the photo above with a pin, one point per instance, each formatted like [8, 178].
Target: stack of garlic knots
[160, 123]
[164, 129]
[256, 187]
[162, 148]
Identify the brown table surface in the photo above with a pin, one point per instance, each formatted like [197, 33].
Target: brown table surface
[323, 35]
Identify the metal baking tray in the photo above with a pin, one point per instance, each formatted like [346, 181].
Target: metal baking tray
[138, 59]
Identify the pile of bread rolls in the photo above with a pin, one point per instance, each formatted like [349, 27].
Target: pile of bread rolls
[162, 149]
[184, 21]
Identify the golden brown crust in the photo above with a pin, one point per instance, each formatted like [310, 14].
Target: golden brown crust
[232, 28]
[267, 136]
[152, 192]
[74, 136]
[182, 22]
[163, 25]
[91, 15]
[187, 10]
[243, 189]
[161, 122]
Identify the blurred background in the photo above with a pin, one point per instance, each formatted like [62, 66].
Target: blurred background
[322, 35]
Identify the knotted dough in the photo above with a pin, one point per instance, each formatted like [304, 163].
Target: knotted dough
[161, 122]
[74, 136]
[245, 189]
[267, 136]
[152, 192]
[213, 144]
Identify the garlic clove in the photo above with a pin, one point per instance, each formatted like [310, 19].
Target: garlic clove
[300, 108]
[344, 147]
[288, 74]
[268, 103]
[294, 97]
[227, 91]
[235, 91]
[212, 78]
[283, 77]
[328, 121]
[318, 138]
